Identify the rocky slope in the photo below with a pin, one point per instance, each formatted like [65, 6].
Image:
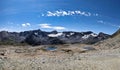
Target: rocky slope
[35, 58]
[38, 37]
[111, 43]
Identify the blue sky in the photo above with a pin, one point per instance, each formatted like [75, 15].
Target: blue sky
[62, 15]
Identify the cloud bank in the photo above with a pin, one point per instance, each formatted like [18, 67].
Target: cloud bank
[49, 26]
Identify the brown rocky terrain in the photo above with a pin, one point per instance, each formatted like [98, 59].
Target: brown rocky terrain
[104, 55]
[111, 43]
[66, 57]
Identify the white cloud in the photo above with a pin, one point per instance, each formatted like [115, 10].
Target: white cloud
[48, 26]
[45, 25]
[23, 25]
[66, 13]
[107, 23]
[96, 14]
[26, 24]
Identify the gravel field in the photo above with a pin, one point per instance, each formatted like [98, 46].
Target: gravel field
[38, 59]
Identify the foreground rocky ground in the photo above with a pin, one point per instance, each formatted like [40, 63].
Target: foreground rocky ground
[67, 57]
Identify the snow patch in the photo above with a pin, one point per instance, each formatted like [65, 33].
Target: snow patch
[36, 33]
[87, 36]
[72, 33]
[68, 35]
[93, 34]
[55, 35]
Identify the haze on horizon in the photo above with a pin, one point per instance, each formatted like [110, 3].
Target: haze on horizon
[60, 15]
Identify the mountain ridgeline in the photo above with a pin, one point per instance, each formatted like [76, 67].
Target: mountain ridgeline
[38, 37]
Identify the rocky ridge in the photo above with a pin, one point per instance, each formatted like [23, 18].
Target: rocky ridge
[38, 37]
[111, 43]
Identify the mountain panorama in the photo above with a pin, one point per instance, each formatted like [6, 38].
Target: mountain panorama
[38, 37]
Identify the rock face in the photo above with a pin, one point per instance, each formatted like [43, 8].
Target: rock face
[38, 37]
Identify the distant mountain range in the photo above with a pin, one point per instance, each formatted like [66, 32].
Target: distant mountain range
[38, 37]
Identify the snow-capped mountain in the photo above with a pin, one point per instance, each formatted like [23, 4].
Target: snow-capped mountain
[38, 37]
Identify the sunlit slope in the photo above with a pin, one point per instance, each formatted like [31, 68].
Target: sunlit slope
[111, 43]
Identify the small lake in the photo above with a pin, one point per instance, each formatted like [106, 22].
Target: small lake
[89, 48]
[51, 48]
